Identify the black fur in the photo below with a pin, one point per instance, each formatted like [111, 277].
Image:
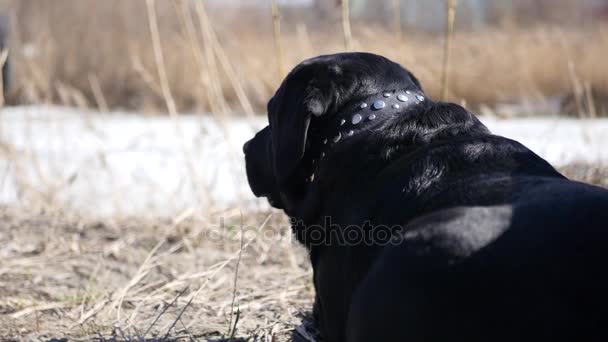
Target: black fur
[488, 242]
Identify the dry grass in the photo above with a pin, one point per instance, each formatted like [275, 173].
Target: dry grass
[64, 276]
[101, 54]
[597, 174]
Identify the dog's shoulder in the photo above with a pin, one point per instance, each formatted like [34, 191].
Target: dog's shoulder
[455, 233]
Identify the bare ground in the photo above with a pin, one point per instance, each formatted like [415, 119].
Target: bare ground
[63, 276]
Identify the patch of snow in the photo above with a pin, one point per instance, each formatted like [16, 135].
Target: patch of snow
[560, 141]
[120, 163]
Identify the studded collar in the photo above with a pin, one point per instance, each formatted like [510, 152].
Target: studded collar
[359, 116]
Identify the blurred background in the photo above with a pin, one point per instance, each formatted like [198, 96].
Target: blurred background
[124, 204]
[225, 55]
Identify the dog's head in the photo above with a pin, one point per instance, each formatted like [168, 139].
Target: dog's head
[316, 89]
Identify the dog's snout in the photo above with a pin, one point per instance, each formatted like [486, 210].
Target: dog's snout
[246, 147]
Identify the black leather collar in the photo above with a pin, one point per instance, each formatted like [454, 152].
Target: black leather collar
[358, 117]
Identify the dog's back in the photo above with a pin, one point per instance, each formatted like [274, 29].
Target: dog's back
[531, 269]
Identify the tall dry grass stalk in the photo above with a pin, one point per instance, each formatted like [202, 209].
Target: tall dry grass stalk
[447, 52]
[276, 29]
[397, 20]
[577, 90]
[232, 76]
[348, 35]
[204, 84]
[3, 60]
[100, 99]
[160, 58]
[216, 97]
[590, 101]
[234, 304]
[214, 55]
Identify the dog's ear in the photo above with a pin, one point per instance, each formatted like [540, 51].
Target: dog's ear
[300, 98]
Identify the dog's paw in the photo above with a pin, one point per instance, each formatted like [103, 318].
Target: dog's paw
[306, 332]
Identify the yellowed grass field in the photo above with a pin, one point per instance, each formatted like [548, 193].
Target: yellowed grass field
[101, 54]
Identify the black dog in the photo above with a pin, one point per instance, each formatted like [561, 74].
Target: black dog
[421, 224]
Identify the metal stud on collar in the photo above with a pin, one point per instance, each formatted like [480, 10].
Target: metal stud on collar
[338, 137]
[368, 111]
[379, 105]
